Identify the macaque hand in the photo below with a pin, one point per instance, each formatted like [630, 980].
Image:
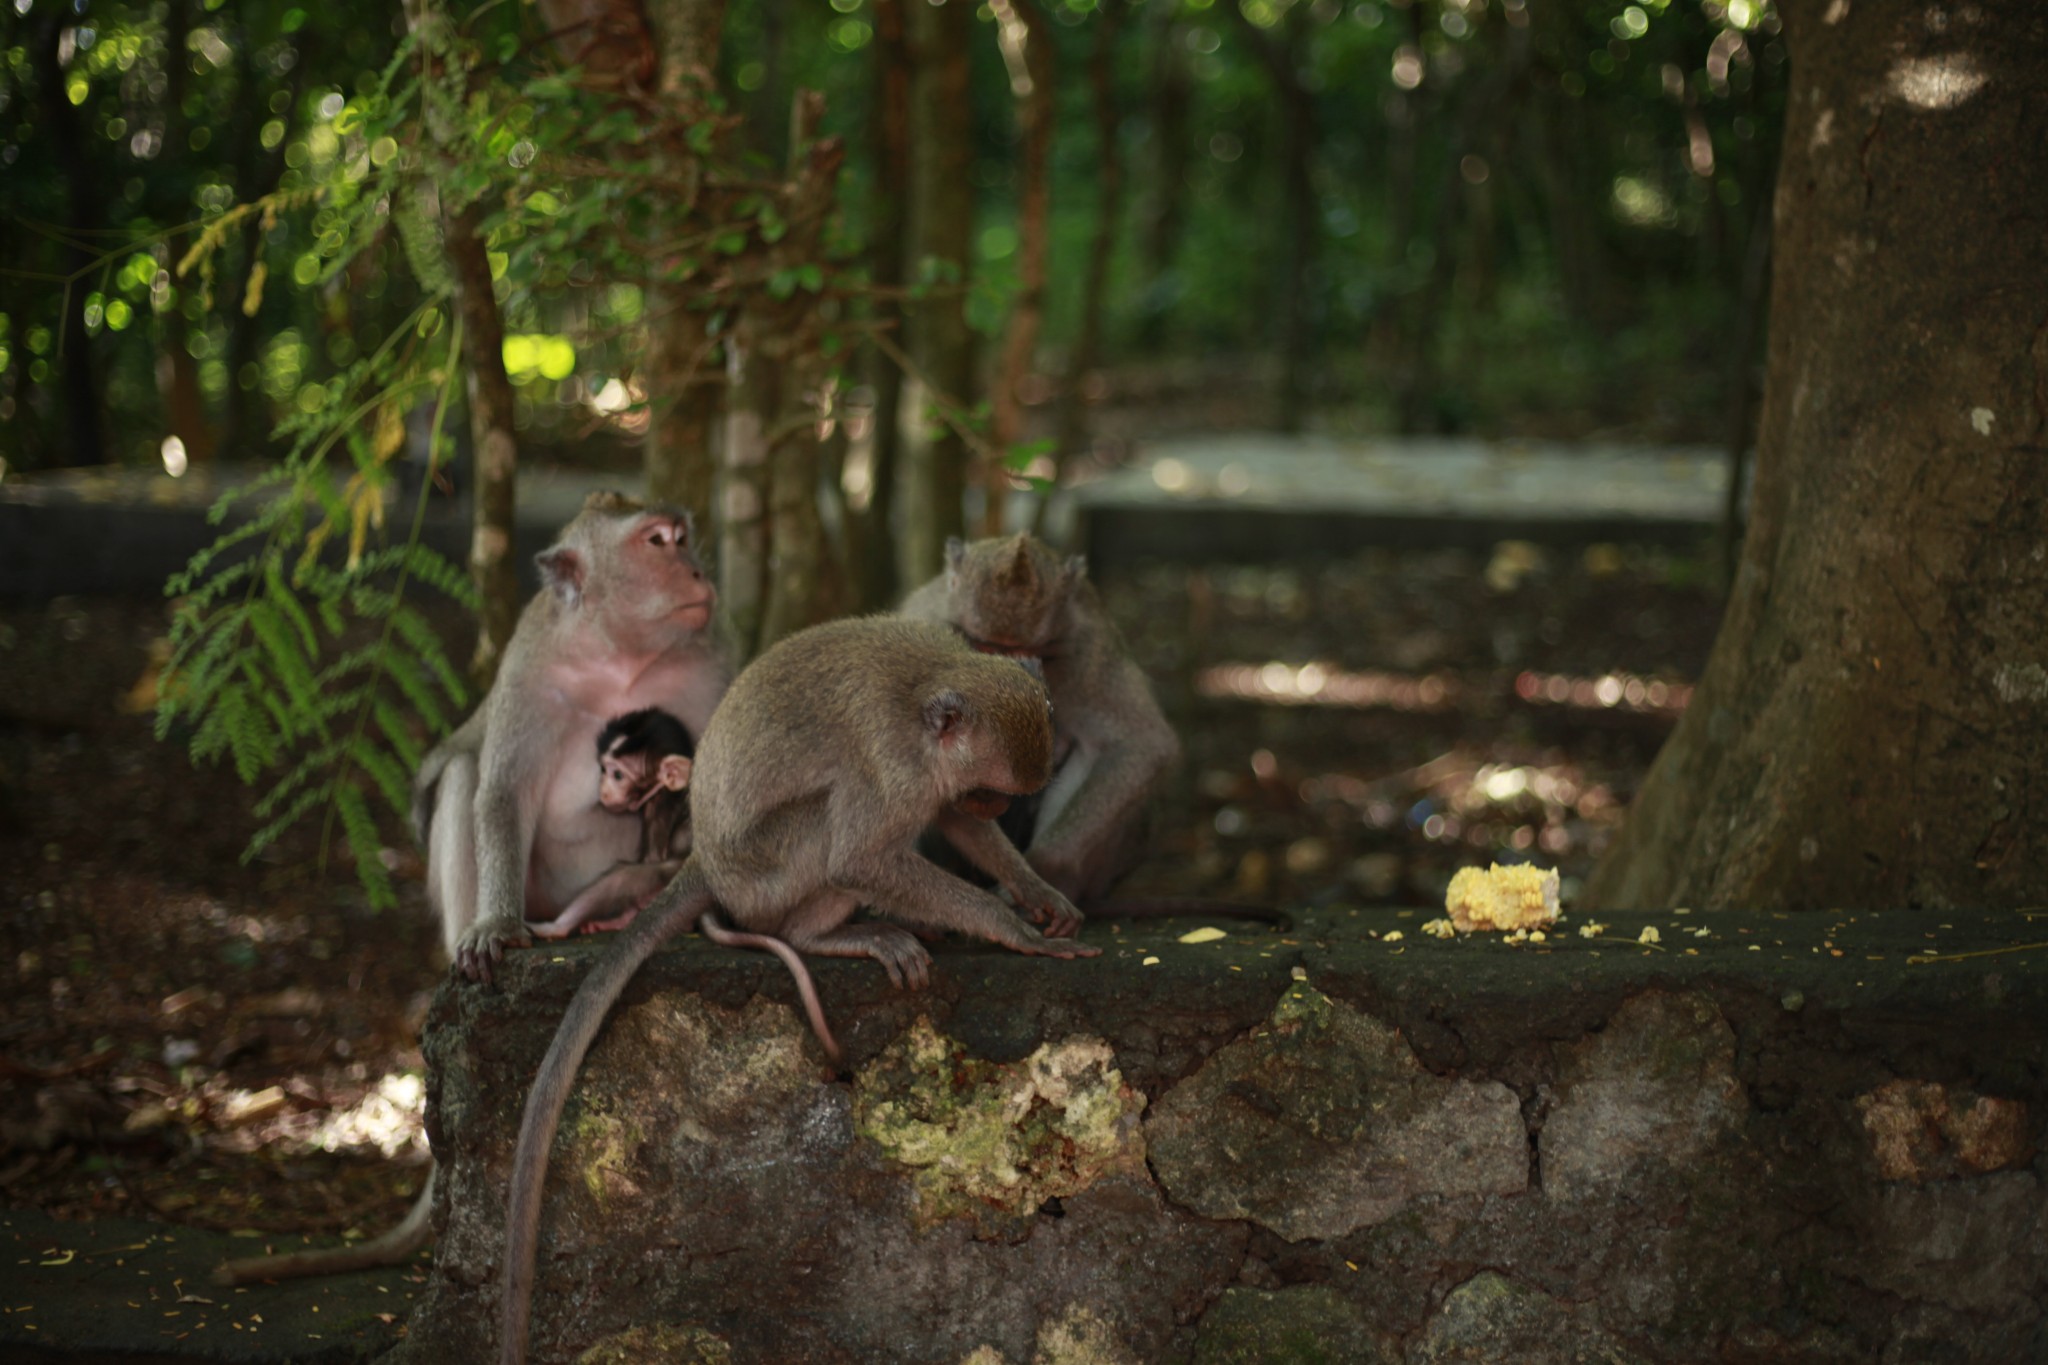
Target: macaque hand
[1043, 905]
[1021, 937]
[483, 944]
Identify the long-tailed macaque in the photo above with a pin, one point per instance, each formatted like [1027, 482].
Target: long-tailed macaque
[619, 624]
[1112, 746]
[829, 756]
[502, 805]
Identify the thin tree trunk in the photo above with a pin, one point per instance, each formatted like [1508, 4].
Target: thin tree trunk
[678, 454]
[77, 382]
[1027, 42]
[1072, 422]
[1298, 234]
[1870, 730]
[750, 400]
[1165, 208]
[932, 473]
[491, 565]
[177, 373]
[870, 529]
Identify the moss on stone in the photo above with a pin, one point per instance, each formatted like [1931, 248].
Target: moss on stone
[660, 1344]
[989, 1138]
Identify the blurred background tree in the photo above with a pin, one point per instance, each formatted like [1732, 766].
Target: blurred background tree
[1497, 216]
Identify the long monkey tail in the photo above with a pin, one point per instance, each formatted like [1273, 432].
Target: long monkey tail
[671, 913]
[387, 1248]
[718, 931]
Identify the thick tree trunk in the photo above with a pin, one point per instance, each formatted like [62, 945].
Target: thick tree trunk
[491, 565]
[931, 476]
[1870, 728]
[1164, 210]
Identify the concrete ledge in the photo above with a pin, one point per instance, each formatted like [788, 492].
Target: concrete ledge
[1767, 1138]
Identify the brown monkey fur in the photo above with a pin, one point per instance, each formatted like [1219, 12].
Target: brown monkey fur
[502, 805]
[1112, 747]
[829, 756]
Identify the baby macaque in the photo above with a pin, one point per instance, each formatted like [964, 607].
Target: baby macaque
[643, 767]
[644, 760]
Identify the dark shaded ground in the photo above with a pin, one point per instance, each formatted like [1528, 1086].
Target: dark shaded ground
[187, 1039]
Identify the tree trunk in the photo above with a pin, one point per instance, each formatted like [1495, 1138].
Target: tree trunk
[80, 389]
[677, 454]
[1072, 422]
[177, 373]
[751, 400]
[1027, 42]
[931, 477]
[1298, 231]
[870, 529]
[491, 565]
[1165, 207]
[1869, 730]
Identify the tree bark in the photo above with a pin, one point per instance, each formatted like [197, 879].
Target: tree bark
[931, 478]
[869, 530]
[677, 454]
[1870, 728]
[491, 566]
[1071, 426]
[78, 385]
[1164, 210]
[1027, 42]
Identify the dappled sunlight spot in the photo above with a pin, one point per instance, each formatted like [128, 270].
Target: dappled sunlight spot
[390, 1118]
[175, 461]
[1316, 684]
[1937, 82]
[1612, 691]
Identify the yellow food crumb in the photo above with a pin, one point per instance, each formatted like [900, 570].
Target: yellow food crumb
[1520, 897]
[1592, 929]
[1440, 928]
[1391, 936]
[1149, 962]
[1649, 935]
[1535, 936]
[1203, 935]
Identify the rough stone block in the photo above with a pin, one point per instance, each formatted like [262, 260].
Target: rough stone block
[1773, 1139]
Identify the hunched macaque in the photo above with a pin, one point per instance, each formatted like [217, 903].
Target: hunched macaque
[1112, 746]
[830, 755]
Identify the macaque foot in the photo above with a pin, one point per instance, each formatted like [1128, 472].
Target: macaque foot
[905, 959]
[1034, 944]
[483, 945]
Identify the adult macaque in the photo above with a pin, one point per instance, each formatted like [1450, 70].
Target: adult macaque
[502, 805]
[1112, 747]
[619, 625]
[830, 755]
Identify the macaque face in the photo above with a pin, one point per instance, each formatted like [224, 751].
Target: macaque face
[664, 564]
[626, 782]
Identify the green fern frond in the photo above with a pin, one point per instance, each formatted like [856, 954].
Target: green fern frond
[363, 842]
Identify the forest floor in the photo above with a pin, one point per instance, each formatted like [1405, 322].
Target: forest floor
[191, 1039]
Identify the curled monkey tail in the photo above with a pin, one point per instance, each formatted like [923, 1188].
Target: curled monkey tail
[714, 928]
[673, 912]
[387, 1248]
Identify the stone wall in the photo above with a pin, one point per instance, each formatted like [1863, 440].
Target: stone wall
[1764, 1138]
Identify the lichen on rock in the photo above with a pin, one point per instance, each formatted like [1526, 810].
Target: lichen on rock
[1322, 1121]
[660, 1344]
[996, 1140]
[1304, 1325]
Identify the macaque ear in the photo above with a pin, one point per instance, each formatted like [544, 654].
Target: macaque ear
[944, 713]
[674, 772]
[1077, 568]
[563, 570]
[1030, 664]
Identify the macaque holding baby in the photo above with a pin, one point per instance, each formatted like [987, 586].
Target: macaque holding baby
[643, 768]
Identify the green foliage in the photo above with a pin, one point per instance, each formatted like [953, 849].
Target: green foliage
[321, 676]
